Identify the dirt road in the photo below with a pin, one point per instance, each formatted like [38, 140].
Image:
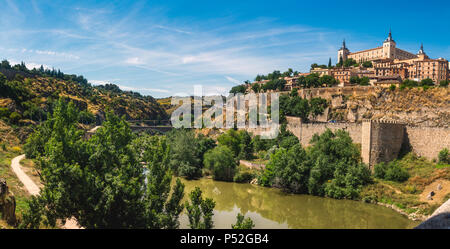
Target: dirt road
[33, 189]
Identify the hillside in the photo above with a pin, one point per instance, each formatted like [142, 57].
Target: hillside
[26, 96]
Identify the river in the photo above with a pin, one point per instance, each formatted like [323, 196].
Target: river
[271, 208]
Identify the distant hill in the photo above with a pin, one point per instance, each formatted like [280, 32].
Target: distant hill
[26, 96]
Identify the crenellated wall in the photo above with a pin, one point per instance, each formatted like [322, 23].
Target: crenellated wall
[381, 141]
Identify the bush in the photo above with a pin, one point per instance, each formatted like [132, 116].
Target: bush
[392, 87]
[391, 171]
[15, 117]
[243, 177]
[427, 82]
[221, 162]
[444, 83]
[4, 147]
[444, 156]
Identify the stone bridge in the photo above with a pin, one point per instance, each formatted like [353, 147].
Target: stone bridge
[161, 126]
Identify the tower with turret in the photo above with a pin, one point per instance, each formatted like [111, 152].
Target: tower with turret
[389, 47]
[343, 53]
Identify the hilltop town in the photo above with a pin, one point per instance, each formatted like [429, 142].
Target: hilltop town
[384, 66]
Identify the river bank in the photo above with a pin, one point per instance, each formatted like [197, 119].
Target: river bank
[272, 208]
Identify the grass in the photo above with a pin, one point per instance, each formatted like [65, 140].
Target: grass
[406, 195]
[14, 184]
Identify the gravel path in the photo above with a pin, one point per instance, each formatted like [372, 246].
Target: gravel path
[33, 189]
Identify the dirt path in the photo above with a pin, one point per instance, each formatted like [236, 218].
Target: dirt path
[33, 189]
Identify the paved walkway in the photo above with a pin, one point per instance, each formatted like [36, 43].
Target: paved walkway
[33, 189]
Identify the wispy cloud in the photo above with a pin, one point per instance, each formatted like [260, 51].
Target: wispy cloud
[157, 54]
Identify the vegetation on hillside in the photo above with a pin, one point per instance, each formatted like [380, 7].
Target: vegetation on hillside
[28, 96]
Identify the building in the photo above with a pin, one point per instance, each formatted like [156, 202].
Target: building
[343, 75]
[388, 50]
[388, 60]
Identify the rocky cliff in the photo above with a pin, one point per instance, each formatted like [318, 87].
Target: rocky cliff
[415, 106]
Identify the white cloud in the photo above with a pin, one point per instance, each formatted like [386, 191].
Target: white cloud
[235, 81]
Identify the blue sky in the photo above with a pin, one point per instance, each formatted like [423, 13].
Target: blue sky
[163, 48]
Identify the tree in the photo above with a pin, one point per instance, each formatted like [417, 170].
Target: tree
[243, 224]
[221, 162]
[327, 80]
[101, 182]
[329, 63]
[256, 87]
[290, 170]
[367, 64]
[350, 62]
[238, 89]
[317, 106]
[232, 140]
[185, 154]
[200, 211]
[333, 156]
[246, 146]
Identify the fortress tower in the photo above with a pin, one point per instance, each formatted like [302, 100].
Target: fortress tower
[389, 47]
[343, 52]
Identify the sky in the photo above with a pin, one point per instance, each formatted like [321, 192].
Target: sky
[164, 48]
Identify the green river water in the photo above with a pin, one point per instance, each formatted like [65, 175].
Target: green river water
[271, 208]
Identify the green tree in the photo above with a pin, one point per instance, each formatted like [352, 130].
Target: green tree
[221, 162]
[101, 182]
[367, 64]
[246, 146]
[200, 211]
[238, 89]
[242, 223]
[291, 171]
[232, 139]
[328, 80]
[185, 154]
[444, 156]
[256, 87]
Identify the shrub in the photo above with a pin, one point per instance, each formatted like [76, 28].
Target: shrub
[243, 177]
[392, 87]
[444, 156]
[444, 83]
[4, 112]
[221, 162]
[4, 147]
[15, 117]
[16, 149]
[391, 172]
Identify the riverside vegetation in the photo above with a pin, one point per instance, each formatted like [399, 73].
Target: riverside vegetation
[101, 181]
[117, 179]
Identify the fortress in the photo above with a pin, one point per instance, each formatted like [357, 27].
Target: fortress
[381, 141]
[387, 51]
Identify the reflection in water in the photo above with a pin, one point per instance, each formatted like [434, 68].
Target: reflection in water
[271, 208]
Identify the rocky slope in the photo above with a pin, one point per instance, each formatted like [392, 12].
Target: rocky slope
[415, 106]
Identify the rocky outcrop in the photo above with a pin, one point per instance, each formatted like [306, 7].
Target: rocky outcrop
[7, 203]
[414, 107]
